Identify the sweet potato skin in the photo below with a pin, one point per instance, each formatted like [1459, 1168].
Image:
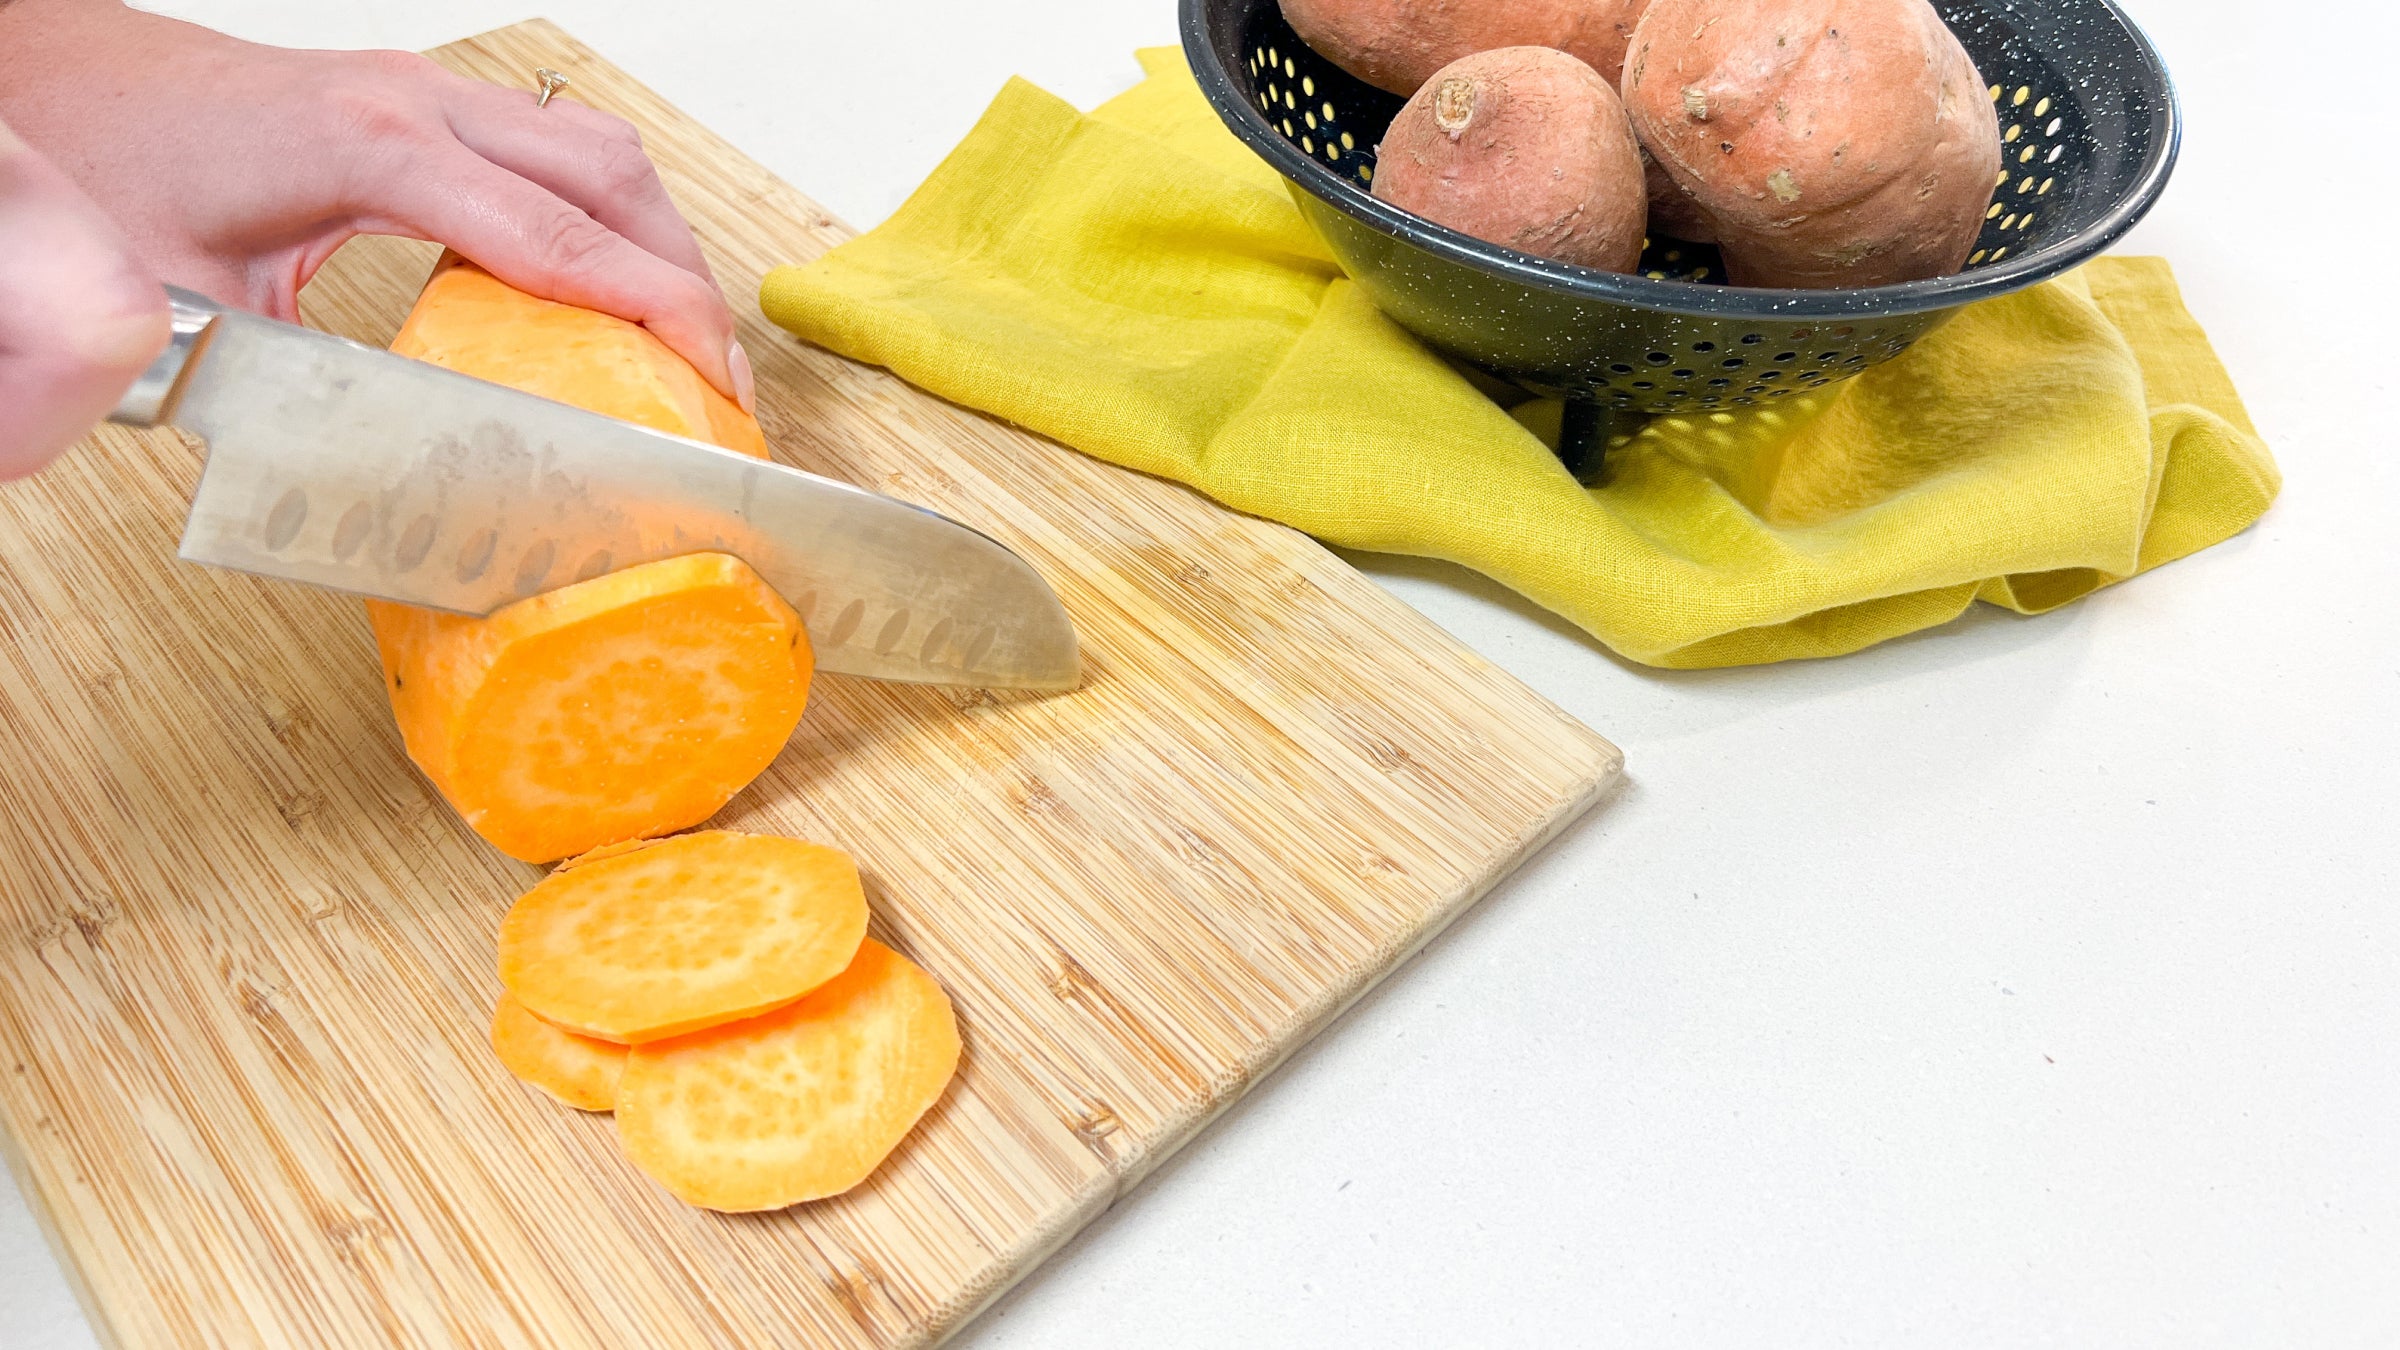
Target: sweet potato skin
[1398, 44]
[1523, 146]
[1827, 143]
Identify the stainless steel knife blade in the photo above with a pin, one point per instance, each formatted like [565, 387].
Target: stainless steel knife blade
[339, 465]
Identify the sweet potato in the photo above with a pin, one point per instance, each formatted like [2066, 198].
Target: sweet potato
[1523, 146]
[617, 706]
[1827, 142]
[643, 942]
[799, 1104]
[576, 1070]
[470, 321]
[622, 707]
[1398, 44]
[1672, 210]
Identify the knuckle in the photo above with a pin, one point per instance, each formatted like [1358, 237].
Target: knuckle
[396, 65]
[624, 169]
[364, 117]
[574, 244]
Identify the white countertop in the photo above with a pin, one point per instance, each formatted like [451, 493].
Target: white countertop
[2030, 981]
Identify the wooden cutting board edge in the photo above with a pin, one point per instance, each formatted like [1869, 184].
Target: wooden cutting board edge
[1297, 1034]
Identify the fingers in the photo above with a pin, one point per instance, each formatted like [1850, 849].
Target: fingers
[79, 318]
[589, 158]
[537, 241]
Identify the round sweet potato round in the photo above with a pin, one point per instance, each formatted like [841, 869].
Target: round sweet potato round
[1398, 44]
[1827, 143]
[1523, 146]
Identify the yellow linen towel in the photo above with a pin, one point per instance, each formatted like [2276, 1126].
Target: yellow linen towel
[1136, 284]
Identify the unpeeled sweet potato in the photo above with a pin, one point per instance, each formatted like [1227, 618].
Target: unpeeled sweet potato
[642, 942]
[1399, 44]
[1824, 142]
[1523, 146]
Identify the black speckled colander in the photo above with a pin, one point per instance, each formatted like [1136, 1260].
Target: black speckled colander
[2088, 128]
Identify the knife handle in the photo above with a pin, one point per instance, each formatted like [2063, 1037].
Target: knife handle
[151, 400]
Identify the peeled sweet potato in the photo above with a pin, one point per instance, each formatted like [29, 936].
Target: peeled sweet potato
[1523, 146]
[470, 321]
[1399, 44]
[642, 942]
[802, 1103]
[1825, 142]
[575, 1070]
[620, 705]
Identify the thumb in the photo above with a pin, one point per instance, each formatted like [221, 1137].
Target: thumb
[80, 318]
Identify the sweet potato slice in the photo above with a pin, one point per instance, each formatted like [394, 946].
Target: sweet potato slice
[800, 1104]
[631, 705]
[621, 706]
[646, 943]
[576, 1070]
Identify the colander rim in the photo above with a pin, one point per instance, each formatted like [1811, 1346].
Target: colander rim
[1691, 297]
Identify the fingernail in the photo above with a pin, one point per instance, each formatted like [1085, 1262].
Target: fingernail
[745, 384]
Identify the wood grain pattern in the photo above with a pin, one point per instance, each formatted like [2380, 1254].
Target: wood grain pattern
[247, 959]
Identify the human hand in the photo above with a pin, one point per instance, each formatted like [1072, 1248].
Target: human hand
[79, 317]
[238, 169]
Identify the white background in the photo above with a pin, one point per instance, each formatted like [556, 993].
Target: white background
[2033, 981]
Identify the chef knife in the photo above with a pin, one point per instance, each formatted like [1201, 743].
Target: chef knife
[335, 464]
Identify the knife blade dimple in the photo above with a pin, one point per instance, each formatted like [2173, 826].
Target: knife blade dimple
[339, 465]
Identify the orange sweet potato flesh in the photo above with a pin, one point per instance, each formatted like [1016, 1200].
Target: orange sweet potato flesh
[800, 1104]
[576, 1070]
[624, 705]
[1822, 143]
[643, 943]
[470, 321]
[618, 708]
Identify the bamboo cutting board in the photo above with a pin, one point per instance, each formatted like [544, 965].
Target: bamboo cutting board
[247, 962]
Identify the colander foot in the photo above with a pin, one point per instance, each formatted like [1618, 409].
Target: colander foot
[1583, 440]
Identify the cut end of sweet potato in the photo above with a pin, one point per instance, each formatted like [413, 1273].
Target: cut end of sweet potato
[631, 705]
[646, 943]
[802, 1103]
[576, 1070]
